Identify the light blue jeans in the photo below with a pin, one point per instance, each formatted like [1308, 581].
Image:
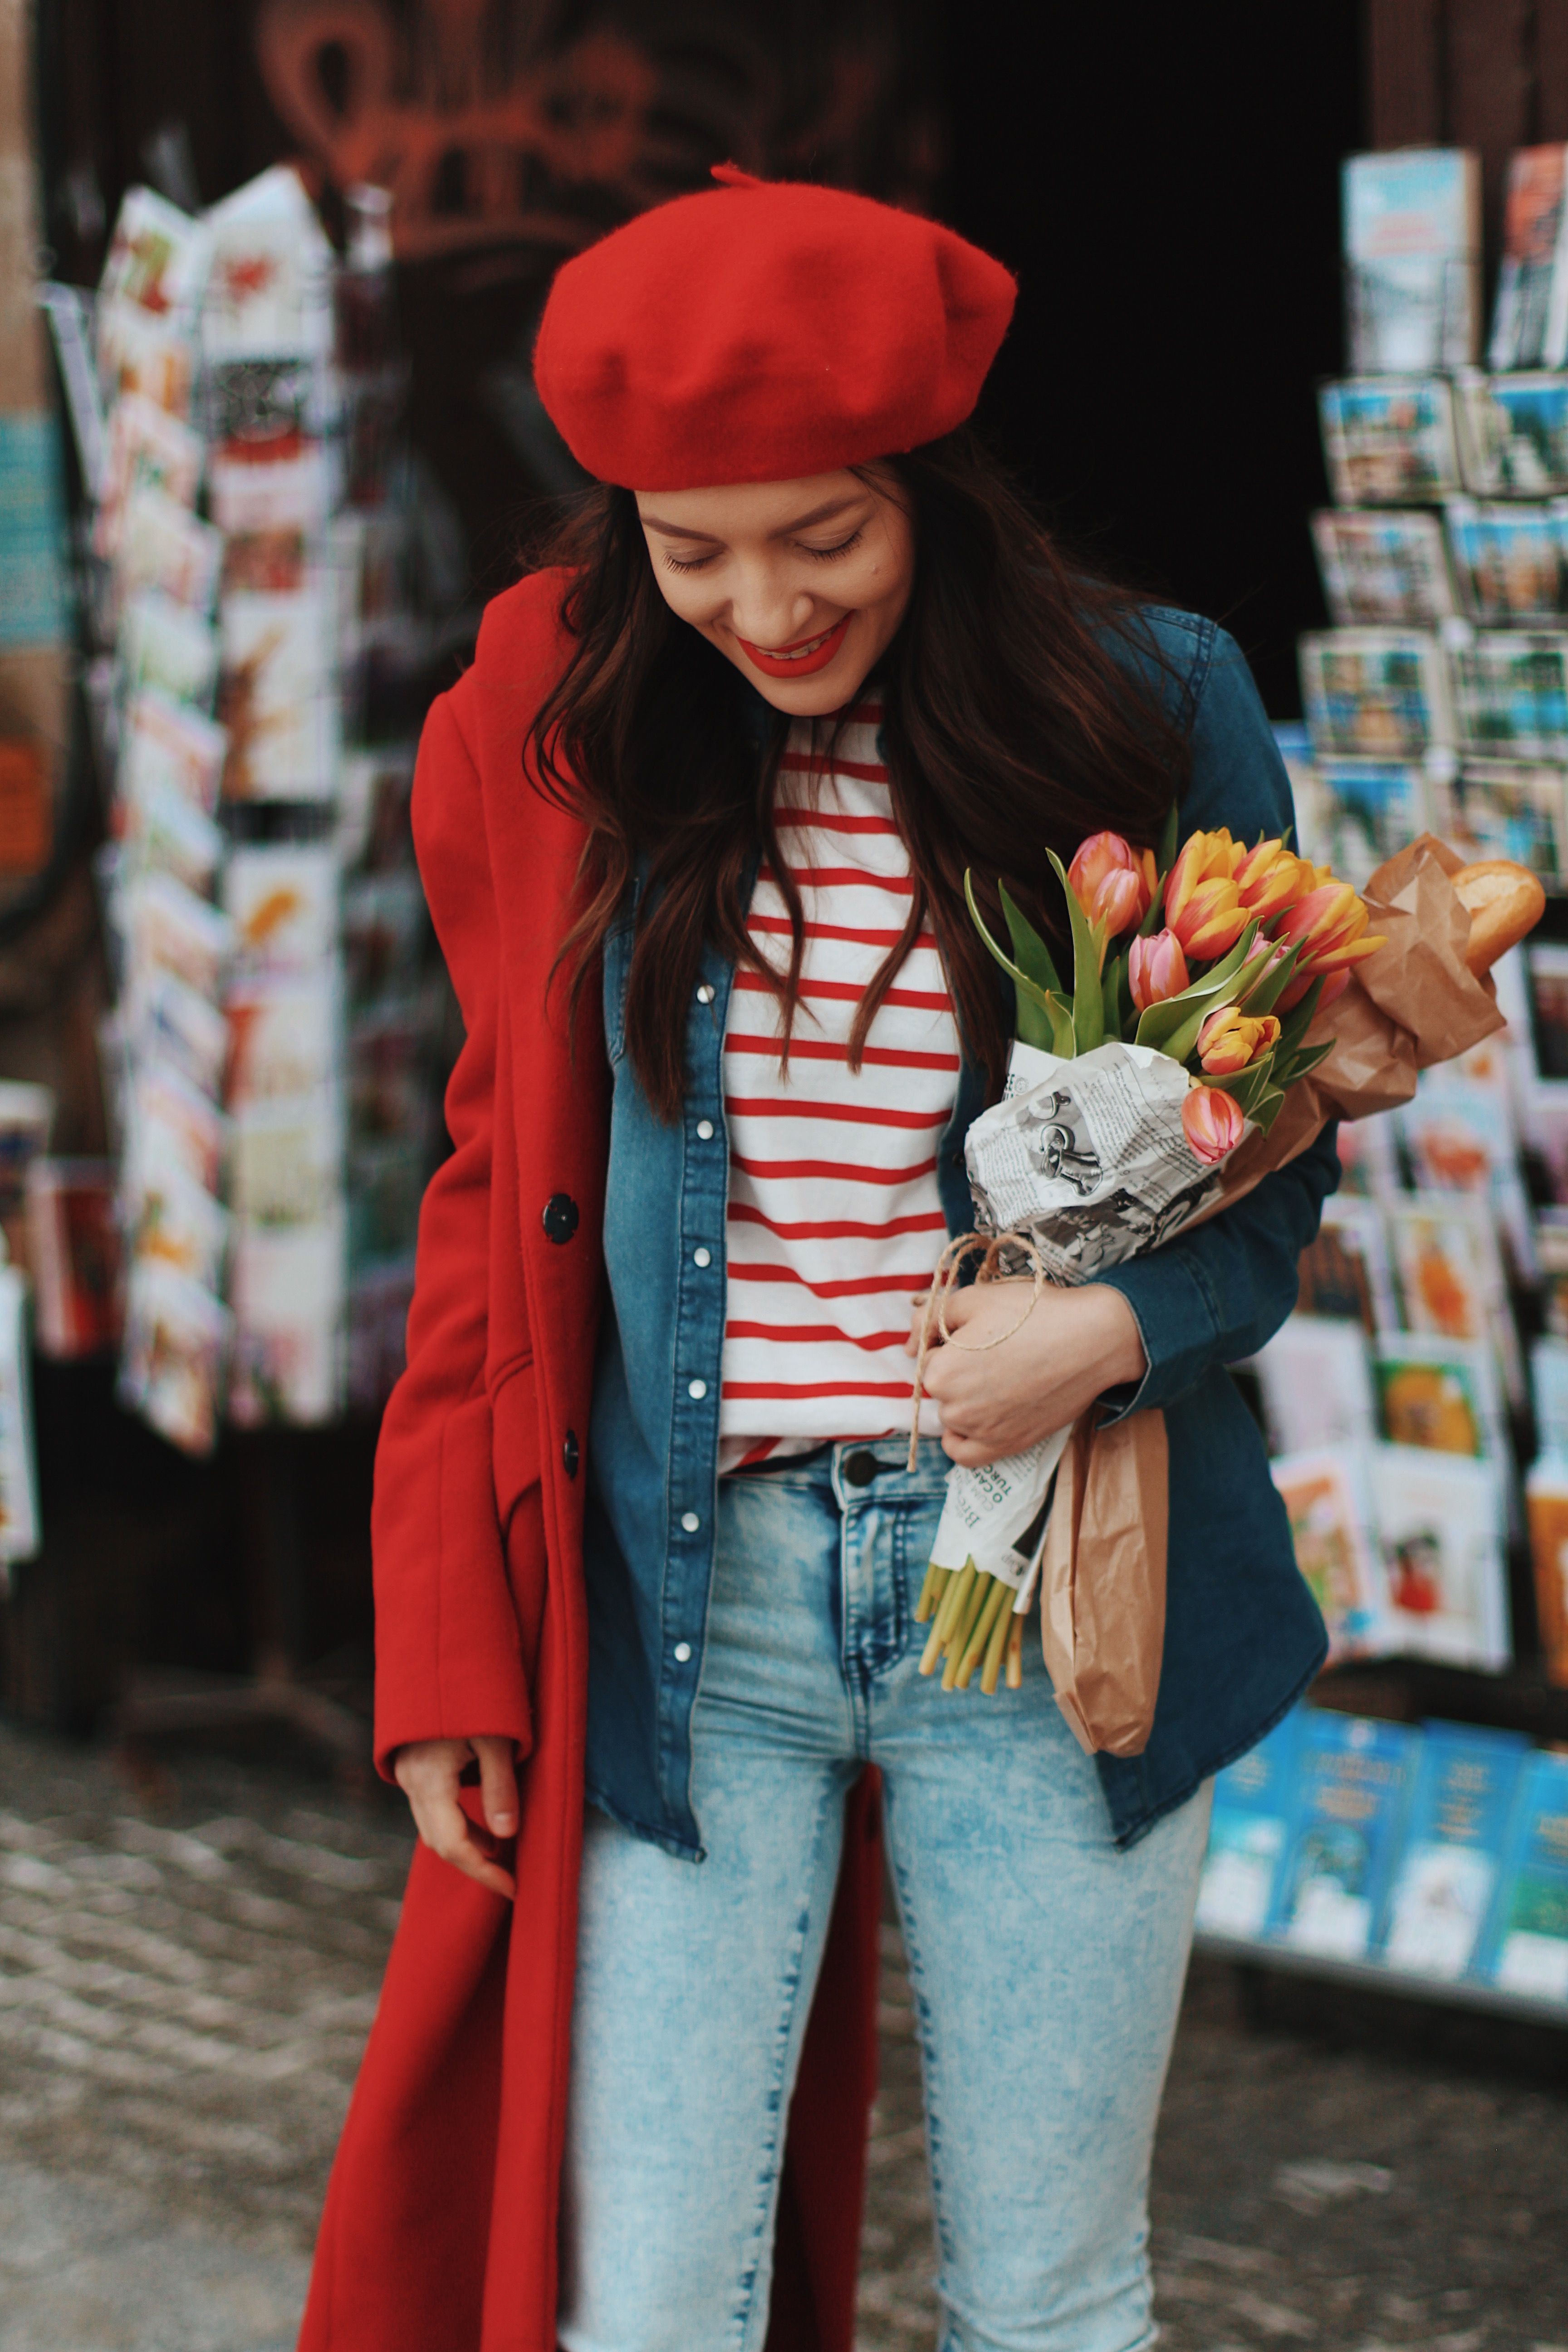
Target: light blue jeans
[1047, 1967]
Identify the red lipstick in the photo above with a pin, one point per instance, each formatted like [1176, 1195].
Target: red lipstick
[782, 663]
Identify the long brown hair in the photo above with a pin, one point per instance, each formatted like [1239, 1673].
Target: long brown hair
[1021, 710]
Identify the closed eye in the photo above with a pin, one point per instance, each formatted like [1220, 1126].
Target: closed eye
[828, 554]
[692, 564]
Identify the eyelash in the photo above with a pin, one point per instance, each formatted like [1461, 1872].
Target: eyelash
[817, 554]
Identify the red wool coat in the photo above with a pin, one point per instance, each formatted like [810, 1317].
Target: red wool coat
[439, 2231]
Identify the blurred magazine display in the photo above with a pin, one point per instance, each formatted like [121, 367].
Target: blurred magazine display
[1496, 808]
[1353, 1785]
[1510, 561]
[1442, 1394]
[1247, 1832]
[1373, 808]
[1450, 1275]
[1527, 1944]
[1441, 1524]
[1384, 568]
[1512, 434]
[1529, 325]
[1345, 1271]
[1327, 1502]
[1450, 1865]
[1413, 254]
[1374, 693]
[1315, 1380]
[1388, 441]
[1511, 693]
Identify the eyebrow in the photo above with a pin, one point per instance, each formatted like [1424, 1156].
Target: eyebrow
[784, 530]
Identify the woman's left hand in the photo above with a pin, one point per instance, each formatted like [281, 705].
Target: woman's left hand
[996, 1400]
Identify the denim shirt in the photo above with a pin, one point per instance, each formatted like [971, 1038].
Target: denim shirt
[1243, 1636]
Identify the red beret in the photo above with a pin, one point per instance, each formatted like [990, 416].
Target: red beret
[763, 332]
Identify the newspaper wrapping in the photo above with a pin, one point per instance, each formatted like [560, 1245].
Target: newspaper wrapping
[1089, 1159]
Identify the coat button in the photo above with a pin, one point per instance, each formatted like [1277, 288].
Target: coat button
[860, 1467]
[559, 1217]
[570, 1457]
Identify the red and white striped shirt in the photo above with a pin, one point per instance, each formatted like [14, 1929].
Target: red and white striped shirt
[834, 1219]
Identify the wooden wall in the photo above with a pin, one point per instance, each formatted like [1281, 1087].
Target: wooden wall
[1488, 74]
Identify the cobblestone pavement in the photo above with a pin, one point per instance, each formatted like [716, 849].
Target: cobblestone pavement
[185, 1991]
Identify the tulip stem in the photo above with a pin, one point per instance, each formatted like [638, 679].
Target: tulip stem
[957, 1639]
[979, 1641]
[996, 1648]
[931, 1593]
[956, 1593]
[1016, 1656]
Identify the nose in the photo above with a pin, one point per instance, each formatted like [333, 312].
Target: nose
[769, 612]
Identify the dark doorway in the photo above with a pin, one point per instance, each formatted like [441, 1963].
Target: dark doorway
[1165, 182]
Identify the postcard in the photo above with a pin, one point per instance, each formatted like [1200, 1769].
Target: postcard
[1546, 973]
[1450, 1272]
[1353, 1784]
[286, 489]
[162, 832]
[147, 448]
[142, 357]
[1529, 325]
[1326, 1501]
[1442, 1526]
[1389, 440]
[169, 1021]
[1413, 258]
[1546, 1512]
[1526, 1945]
[374, 789]
[172, 1221]
[278, 697]
[1514, 433]
[1373, 694]
[288, 1295]
[1511, 693]
[1345, 1272]
[157, 259]
[1498, 808]
[262, 409]
[169, 929]
[173, 1124]
[1369, 1162]
[164, 546]
[1384, 568]
[166, 743]
[289, 1161]
[161, 645]
[1374, 807]
[287, 1035]
[1447, 1872]
[269, 291]
[1441, 1393]
[1248, 1827]
[1510, 561]
[283, 901]
[1316, 1385]
[177, 1347]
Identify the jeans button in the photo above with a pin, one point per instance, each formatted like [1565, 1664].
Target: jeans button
[860, 1467]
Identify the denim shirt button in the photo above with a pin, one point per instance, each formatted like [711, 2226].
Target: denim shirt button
[682, 1654]
[690, 1522]
[705, 1130]
[705, 991]
[701, 1257]
[698, 1389]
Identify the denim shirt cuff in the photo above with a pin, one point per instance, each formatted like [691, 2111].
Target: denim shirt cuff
[1176, 1323]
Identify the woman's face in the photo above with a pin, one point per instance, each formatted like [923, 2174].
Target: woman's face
[800, 584]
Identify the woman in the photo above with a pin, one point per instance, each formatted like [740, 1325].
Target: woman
[694, 830]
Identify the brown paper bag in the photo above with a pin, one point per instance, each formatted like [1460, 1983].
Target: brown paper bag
[1102, 1581]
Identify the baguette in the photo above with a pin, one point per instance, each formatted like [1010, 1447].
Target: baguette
[1503, 901]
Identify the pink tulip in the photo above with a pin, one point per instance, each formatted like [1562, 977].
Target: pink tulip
[1112, 882]
[1213, 1123]
[1156, 969]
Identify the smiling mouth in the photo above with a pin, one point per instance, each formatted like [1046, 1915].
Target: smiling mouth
[797, 660]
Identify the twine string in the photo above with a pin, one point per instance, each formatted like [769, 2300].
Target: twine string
[934, 1315]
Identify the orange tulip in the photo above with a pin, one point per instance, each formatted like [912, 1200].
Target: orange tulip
[1213, 1124]
[1330, 924]
[1112, 882]
[1210, 919]
[1230, 1039]
[1156, 969]
[1271, 877]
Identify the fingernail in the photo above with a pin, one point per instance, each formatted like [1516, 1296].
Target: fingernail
[504, 1824]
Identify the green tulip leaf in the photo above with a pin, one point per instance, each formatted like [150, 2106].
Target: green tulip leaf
[1087, 945]
[1034, 956]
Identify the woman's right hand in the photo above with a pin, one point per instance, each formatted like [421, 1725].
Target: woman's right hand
[429, 1773]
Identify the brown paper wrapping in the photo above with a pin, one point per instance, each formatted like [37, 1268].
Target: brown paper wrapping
[1102, 1581]
[1102, 1608]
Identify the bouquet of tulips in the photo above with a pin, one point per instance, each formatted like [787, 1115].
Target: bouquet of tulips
[1195, 981]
